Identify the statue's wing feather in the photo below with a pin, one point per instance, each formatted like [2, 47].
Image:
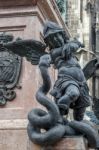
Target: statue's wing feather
[90, 68]
[31, 49]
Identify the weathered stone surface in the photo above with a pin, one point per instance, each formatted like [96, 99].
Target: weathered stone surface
[18, 3]
[69, 143]
[13, 140]
[16, 138]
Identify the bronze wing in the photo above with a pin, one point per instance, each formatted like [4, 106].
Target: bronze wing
[90, 68]
[31, 49]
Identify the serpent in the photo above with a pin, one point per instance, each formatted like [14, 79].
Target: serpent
[40, 119]
[48, 127]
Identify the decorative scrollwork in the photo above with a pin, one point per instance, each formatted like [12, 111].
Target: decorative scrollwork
[10, 66]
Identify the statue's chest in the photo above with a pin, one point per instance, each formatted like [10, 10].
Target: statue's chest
[73, 72]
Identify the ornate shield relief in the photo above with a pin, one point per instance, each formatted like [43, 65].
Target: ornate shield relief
[10, 66]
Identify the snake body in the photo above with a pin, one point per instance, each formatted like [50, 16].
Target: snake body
[40, 119]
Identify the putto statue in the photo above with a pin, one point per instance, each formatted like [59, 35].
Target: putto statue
[70, 89]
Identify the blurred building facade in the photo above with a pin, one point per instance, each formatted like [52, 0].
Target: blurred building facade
[78, 20]
[93, 10]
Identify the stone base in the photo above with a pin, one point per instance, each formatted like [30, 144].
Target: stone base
[68, 143]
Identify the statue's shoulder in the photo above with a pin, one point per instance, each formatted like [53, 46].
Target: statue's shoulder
[72, 62]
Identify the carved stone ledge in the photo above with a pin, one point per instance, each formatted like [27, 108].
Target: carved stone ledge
[68, 143]
[6, 3]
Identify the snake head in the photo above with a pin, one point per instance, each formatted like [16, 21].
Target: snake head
[45, 60]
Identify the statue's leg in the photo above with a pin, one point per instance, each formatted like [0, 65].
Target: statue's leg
[71, 95]
[78, 113]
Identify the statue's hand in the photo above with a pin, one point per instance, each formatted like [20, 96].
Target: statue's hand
[69, 48]
[45, 60]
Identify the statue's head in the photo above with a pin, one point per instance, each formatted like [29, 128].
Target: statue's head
[54, 35]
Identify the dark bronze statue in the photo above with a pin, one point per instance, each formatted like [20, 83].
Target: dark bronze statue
[70, 89]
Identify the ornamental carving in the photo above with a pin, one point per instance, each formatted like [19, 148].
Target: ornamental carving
[10, 66]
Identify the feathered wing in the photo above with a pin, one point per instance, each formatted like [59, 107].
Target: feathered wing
[31, 49]
[90, 68]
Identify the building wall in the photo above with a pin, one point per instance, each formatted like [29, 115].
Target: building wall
[97, 25]
[96, 46]
[77, 20]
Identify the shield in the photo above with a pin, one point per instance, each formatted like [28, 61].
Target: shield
[10, 67]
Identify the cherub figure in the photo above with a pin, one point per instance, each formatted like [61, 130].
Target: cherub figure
[70, 90]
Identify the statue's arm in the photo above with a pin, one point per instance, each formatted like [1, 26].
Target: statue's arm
[71, 47]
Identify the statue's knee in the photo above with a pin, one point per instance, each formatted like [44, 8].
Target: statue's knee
[74, 95]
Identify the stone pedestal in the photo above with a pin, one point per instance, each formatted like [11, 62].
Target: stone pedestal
[68, 143]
